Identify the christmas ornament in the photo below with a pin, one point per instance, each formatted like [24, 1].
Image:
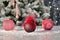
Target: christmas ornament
[8, 25]
[29, 24]
[47, 24]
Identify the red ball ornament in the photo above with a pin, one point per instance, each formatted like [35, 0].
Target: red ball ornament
[29, 24]
[29, 27]
[47, 24]
[8, 25]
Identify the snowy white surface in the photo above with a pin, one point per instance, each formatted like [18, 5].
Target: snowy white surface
[38, 34]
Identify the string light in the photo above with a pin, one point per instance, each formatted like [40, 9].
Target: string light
[57, 8]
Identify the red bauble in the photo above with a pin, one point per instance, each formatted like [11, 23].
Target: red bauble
[8, 25]
[29, 27]
[47, 24]
[29, 24]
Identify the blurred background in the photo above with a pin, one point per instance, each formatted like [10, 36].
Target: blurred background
[42, 8]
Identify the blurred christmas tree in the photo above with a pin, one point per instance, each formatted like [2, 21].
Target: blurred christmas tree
[25, 7]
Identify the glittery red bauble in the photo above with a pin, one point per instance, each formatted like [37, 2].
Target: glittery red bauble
[8, 25]
[29, 24]
[29, 27]
[47, 24]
